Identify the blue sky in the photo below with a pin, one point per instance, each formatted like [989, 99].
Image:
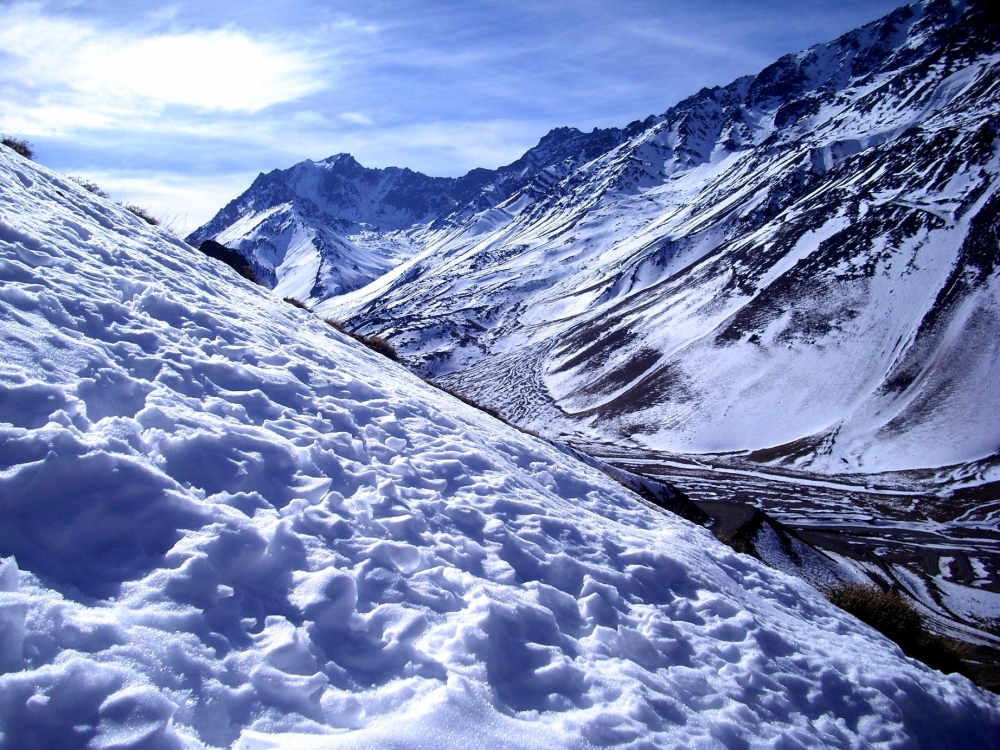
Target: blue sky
[177, 106]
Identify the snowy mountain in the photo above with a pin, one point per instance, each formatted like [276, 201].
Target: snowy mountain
[225, 524]
[796, 269]
[329, 227]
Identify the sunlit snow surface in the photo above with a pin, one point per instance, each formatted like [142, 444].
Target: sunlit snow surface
[222, 523]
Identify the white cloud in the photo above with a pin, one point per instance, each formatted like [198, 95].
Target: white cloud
[350, 23]
[221, 69]
[356, 118]
[88, 76]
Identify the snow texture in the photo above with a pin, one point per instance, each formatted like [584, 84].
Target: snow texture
[223, 523]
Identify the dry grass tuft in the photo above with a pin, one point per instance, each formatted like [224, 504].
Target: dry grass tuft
[90, 186]
[893, 614]
[18, 146]
[141, 212]
[376, 343]
[297, 303]
[889, 612]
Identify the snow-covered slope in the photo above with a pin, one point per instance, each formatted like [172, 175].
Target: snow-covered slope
[224, 523]
[799, 267]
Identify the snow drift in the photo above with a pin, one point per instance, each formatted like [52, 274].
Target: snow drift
[224, 523]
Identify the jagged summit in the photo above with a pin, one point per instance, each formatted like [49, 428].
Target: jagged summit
[338, 158]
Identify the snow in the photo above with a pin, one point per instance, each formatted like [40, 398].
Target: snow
[226, 524]
[731, 280]
[969, 602]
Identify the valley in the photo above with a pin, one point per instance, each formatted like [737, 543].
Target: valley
[940, 544]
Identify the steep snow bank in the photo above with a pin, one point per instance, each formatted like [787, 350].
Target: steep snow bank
[222, 522]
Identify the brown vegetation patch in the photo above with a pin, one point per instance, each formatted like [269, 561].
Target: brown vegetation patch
[373, 341]
[18, 146]
[893, 614]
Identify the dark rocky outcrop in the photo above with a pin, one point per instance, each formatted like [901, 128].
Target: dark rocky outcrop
[231, 258]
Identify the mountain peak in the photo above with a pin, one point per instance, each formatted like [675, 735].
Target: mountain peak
[559, 134]
[343, 159]
[336, 198]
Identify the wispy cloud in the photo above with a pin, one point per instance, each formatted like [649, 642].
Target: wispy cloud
[70, 74]
[356, 118]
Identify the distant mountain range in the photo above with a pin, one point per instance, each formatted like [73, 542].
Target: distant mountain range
[329, 227]
[797, 269]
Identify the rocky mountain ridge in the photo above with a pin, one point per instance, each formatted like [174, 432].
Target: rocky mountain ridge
[328, 227]
[797, 269]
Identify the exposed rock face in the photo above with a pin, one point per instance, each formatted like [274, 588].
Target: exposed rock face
[230, 257]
